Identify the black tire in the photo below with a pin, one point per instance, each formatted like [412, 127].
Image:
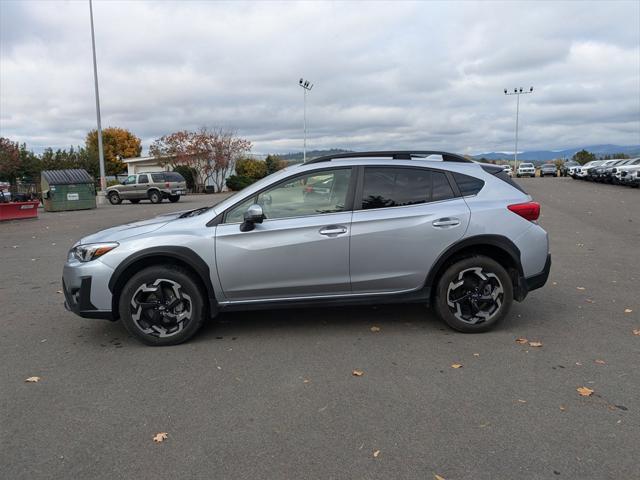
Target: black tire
[155, 196]
[135, 200]
[454, 301]
[518, 175]
[154, 323]
[174, 198]
[114, 198]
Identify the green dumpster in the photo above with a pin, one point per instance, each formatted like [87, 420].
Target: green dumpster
[71, 189]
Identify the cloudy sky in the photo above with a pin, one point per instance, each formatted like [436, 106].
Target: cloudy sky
[386, 74]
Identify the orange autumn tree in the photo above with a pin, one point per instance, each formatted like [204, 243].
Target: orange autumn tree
[116, 142]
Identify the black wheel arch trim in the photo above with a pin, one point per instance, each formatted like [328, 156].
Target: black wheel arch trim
[497, 241]
[182, 254]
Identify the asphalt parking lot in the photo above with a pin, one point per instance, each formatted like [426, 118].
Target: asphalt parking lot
[271, 394]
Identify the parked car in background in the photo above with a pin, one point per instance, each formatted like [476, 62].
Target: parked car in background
[526, 170]
[508, 170]
[154, 186]
[634, 178]
[594, 172]
[397, 226]
[599, 174]
[549, 169]
[581, 172]
[568, 167]
[620, 172]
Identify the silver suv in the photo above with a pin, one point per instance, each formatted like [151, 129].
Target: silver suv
[355, 228]
[154, 186]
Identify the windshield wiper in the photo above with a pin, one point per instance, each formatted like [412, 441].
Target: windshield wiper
[194, 213]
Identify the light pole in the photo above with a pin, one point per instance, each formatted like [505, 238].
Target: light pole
[306, 86]
[517, 92]
[103, 180]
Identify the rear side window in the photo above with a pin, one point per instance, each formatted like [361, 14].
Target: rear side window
[157, 177]
[143, 179]
[173, 177]
[469, 185]
[396, 187]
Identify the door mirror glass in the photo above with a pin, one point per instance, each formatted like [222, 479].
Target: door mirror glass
[253, 215]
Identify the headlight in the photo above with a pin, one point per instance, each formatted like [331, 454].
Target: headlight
[91, 251]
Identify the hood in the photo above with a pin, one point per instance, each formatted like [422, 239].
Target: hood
[120, 232]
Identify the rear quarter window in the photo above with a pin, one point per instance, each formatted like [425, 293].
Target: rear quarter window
[469, 185]
[157, 177]
[173, 177]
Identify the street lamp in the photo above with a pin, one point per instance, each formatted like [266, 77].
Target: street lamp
[103, 180]
[517, 92]
[306, 86]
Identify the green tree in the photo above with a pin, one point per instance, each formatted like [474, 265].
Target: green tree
[583, 157]
[10, 164]
[189, 174]
[251, 168]
[118, 143]
[274, 163]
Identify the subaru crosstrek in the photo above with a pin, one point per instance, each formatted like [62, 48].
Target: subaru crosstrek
[354, 228]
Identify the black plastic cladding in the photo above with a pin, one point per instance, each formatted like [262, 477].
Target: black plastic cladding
[395, 154]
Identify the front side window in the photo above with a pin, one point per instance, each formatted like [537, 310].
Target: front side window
[130, 180]
[311, 194]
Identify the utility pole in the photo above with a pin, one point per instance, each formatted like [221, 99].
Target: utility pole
[517, 92]
[103, 180]
[307, 86]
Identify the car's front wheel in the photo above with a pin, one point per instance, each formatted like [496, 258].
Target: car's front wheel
[474, 294]
[162, 305]
[114, 198]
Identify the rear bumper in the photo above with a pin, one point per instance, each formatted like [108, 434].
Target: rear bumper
[526, 284]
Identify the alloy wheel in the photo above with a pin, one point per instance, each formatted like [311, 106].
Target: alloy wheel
[475, 296]
[161, 308]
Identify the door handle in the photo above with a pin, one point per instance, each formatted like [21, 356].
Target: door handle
[332, 230]
[446, 222]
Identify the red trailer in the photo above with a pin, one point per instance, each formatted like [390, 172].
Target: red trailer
[19, 210]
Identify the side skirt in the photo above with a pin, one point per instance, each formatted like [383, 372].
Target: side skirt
[416, 296]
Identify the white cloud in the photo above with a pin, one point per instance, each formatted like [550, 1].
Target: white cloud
[387, 75]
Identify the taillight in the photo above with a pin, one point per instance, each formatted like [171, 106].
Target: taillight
[529, 211]
[167, 185]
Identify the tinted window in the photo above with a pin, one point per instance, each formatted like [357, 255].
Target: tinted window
[143, 179]
[157, 177]
[468, 185]
[441, 190]
[173, 177]
[395, 187]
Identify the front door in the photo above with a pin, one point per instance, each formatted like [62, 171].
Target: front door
[302, 247]
[404, 219]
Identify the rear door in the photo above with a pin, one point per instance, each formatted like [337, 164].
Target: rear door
[141, 186]
[302, 247]
[403, 219]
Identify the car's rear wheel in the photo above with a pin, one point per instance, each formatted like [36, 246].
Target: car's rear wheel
[155, 196]
[174, 198]
[135, 200]
[162, 305]
[114, 198]
[474, 294]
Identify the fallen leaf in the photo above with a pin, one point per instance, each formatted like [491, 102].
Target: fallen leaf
[554, 283]
[522, 401]
[32, 380]
[578, 364]
[627, 310]
[456, 365]
[535, 344]
[521, 340]
[580, 288]
[306, 380]
[59, 291]
[600, 362]
[357, 373]
[562, 408]
[376, 453]
[476, 354]
[437, 477]
[584, 391]
[588, 300]
[160, 437]
[375, 329]
[636, 331]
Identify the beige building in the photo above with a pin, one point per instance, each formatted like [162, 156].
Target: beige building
[143, 164]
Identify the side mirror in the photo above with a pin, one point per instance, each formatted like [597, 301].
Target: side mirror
[253, 215]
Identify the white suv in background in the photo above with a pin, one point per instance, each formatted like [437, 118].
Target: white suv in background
[526, 170]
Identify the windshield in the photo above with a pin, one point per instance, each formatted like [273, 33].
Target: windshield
[526, 165]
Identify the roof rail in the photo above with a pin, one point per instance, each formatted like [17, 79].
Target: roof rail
[395, 154]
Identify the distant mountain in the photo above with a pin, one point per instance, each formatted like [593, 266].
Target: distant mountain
[542, 155]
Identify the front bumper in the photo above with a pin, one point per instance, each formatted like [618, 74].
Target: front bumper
[85, 289]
